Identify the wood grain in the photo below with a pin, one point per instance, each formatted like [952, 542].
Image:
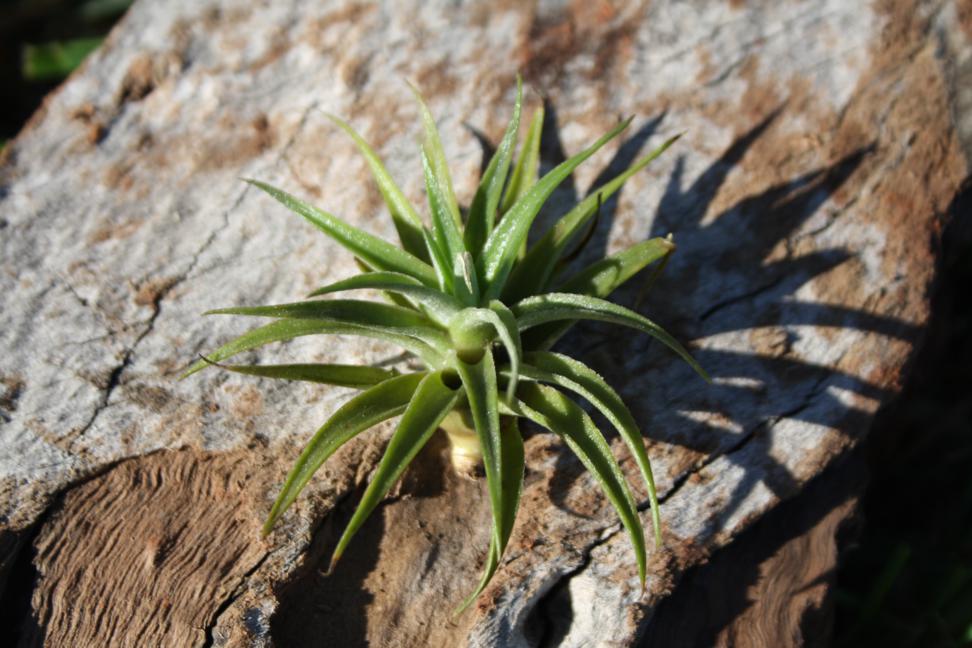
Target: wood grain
[148, 553]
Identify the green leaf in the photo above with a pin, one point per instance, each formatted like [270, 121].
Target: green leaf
[469, 336]
[354, 312]
[511, 444]
[432, 147]
[551, 307]
[489, 569]
[447, 237]
[390, 297]
[479, 381]
[507, 329]
[534, 272]
[482, 212]
[370, 407]
[57, 59]
[600, 279]
[527, 167]
[571, 374]
[432, 400]
[511, 477]
[99, 10]
[377, 253]
[551, 409]
[440, 262]
[441, 307]
[288, 329]
[502, 448]
[407, 221]
[504, 242]
[342, 375]
[467, 275]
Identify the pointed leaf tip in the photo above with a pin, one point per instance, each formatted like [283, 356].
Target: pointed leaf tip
[549, 408]
[504, 243]
[372, 406]
[482, 213]
[427, 406]
[376, 252]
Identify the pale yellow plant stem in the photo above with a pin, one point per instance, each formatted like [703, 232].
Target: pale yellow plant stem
[465, 451]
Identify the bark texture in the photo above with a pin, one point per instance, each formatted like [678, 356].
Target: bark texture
[823, 141]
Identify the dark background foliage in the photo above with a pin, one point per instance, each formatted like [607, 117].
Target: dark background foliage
[906, 568]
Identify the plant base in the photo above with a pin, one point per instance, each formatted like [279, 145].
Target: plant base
[464, 449]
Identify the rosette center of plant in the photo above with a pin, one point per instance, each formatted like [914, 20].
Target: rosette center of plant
[471, 331]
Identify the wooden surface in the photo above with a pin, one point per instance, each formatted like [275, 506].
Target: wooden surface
[773, 585]
[822, 142]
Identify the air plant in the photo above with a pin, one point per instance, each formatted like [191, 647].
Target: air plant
[480, 311]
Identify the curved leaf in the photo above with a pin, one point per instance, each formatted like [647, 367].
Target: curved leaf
[432, 400]
[489, 569]
[502, 321]
[366, 314]
[506, 327]
[376, 252]
[602, 278]
[379, 403]
[571, 374]
[551, 307]
[511, 447]
[440, 305]
[551, 409]
[407, 221]
[390, 297]
[440, 261]
[342, 375]
[525, 173]
[447, 237]
[432, 147]
[482, 212]
[479, 381]
[534, 272]
[289, 329]
[505, 241]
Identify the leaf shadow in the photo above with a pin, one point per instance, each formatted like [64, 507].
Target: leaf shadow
[742, 241]
[316, 606]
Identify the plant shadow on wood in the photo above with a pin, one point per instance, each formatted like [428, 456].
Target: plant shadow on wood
[433, 512]
[751, 390]
[315, 607]
[740, 584]
[769, 586]
[739, 240]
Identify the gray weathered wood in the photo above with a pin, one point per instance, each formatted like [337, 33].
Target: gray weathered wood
[819, 148]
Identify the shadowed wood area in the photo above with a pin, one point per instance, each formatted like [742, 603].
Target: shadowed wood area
[772, 585]
[434, 513]
[805, 198]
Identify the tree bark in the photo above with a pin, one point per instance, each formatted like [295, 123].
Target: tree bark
[823, 142]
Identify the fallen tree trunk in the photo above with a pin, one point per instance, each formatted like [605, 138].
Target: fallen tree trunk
[823, 142]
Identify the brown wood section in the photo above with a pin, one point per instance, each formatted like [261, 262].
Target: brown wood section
[773, 585]
[147, 553]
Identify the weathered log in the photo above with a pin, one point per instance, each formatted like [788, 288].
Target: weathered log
[823, 140]
[772, 585]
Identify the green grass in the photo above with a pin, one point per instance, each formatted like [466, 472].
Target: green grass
[57, 59]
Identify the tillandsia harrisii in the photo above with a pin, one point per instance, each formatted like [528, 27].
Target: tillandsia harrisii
[480, 311]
